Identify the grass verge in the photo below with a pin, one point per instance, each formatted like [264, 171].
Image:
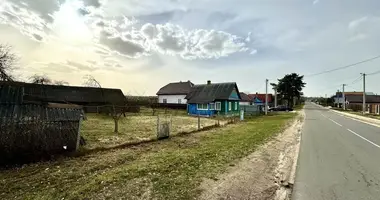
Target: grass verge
[167, 169]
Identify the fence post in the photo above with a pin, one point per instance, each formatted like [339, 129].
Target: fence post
[199, 122]
[171, 123]
[78, 135]
[158, 125]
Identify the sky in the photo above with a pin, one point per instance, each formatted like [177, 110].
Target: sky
[140, 46]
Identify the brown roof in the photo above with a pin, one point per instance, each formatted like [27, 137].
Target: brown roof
[245, 97]
[359, 99]
[67, 94]
[176, 88]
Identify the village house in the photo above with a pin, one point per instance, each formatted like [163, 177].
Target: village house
[259, 99]
[213, 99]
[245, 100]
[355, 102]
[174, 93]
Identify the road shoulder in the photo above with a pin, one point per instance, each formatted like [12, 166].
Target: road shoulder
[367, 120]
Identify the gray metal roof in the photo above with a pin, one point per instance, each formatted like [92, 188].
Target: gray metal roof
[206, 93]
[176, 88]
[66, 94]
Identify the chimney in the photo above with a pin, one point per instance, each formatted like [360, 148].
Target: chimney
[208, 82]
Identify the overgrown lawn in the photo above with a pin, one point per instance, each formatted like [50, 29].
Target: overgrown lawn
[167, 169]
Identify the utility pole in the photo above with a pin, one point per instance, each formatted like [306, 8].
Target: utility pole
[266, 96]
[275, 96]
[364, 106]
[344, 98]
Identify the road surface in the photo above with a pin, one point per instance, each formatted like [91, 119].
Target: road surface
[339, 158]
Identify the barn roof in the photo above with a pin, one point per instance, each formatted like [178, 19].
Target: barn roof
[176, 88]
[210, 92]
[67, 94]
[11, 94]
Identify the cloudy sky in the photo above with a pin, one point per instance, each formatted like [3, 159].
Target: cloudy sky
[140, 45]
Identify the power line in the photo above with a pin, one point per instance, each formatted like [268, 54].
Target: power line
[344, 67]
[373, 73]
[357, 80]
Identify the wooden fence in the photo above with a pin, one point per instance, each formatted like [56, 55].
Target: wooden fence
[31, 131]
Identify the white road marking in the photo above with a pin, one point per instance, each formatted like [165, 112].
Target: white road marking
[323, 115]
[335, 122]
[374, 144]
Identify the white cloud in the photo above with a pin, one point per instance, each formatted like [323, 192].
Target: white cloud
[356, 23]
[170, 39]
[315, 2]
[28, 22]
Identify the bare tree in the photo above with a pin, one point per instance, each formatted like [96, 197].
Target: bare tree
[40, 79]
[7, 62]
[115, 112]
[62, 83]
[90, 81]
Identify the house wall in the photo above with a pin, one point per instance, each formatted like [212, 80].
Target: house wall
[192, 110]
[172, 99]
[371, 107]
[244, 103]
[375, 108]
[225, 105]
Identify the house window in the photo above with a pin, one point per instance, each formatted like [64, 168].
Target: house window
[165, 101]
[236, 106]
[229, 106]
[202, 106]
[218, 106]
[179, 101]
[212, 106]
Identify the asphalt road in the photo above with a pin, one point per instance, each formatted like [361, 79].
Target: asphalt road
[339, 158]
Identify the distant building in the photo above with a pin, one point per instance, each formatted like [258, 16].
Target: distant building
[174, 93]
[259, 99]
[338, 97]
[355, 102]
[245, 100]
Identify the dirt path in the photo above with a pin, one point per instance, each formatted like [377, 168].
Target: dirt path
[266, 174]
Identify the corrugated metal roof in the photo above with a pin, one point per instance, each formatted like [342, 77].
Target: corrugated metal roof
[206, 93]
[68, 94]
[11, 94]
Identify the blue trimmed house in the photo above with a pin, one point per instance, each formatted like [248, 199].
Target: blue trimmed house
[213, 99]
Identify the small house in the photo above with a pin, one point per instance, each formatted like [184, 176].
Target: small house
[245, 100]
[355, 102]
[259, 99]
[213, 99]
[174, 93]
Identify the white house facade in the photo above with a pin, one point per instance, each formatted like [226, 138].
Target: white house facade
[172, 99]
[244, 103]
[174, 93]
